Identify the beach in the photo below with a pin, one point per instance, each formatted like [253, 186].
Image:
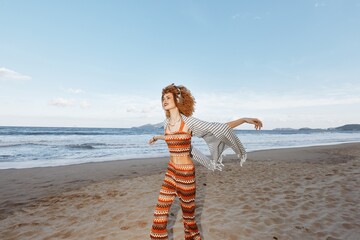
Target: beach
[291, 193]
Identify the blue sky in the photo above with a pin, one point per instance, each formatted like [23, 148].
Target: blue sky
[104, 63]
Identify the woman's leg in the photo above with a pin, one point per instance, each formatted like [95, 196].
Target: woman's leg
[186, 191]
[166, 197]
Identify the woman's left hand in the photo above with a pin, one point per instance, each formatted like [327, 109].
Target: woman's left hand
[152, 140]
[258, 124]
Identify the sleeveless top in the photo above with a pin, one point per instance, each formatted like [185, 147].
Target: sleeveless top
[178, 142]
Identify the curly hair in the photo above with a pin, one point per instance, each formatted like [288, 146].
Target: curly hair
[184, 100]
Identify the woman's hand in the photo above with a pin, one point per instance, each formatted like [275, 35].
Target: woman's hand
[258, 124]
[152, 140]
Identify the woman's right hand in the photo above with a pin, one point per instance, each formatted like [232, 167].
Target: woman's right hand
[152, 140]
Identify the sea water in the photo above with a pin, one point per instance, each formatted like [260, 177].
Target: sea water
[27, 147]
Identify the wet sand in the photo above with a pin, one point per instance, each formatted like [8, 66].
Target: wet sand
[294, 193]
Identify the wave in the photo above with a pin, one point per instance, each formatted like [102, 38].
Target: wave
[59, 145]
[2, 156]
[36, 131]
[81, 146]
[20, 144]
[55, 133]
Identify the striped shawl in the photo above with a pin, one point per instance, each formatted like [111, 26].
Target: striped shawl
[218, 136]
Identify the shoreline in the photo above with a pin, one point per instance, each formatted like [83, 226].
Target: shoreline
[41, 190]
[162, 157]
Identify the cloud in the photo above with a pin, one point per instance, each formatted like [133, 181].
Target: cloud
[75, 91]
[288, 101]
[131, 109]
[148, 109]
[62, 102]
[131, 103]
[142, 108]
[12, 75]
[274, 101]
[84, 104]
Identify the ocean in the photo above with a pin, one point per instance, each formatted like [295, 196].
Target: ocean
[27, 147]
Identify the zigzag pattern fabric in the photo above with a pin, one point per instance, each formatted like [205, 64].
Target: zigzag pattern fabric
[179, 181]
[178, 142]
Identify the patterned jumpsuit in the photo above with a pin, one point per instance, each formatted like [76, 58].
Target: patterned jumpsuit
[179, 181]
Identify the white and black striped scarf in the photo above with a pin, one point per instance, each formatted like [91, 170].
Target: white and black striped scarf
[218, 137]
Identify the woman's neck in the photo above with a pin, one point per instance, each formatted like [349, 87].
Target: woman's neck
[174, 114]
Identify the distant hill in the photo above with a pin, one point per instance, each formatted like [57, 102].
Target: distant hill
[349, 127]
[311, 129]
[284, 129]
[151, 126]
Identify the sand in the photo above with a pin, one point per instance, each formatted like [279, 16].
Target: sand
[295, 193]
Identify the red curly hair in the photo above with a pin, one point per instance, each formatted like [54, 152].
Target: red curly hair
[184, 100]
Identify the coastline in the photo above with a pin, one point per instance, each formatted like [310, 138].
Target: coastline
[258, 194]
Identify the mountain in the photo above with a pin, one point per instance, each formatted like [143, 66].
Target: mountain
[151, 126]
[284, 129]
[311, 129]
[349, 127]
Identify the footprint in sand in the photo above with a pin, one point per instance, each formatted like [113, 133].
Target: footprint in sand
[347, 226]
[291, 203]
[103, 212]
[124, 228]
[96, 197]
[112, 193]
[247, 207]
[142, 224]
[79, 206]
[302, 228]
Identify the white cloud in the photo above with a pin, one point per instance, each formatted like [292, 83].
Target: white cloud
[75, 91]
[325, 107]
[131, 109]
[84, 104]
[148, 109]
[62, 102]
[130, 103]
[273, 101]
[12, 75]
[291, 109]
[285, 102]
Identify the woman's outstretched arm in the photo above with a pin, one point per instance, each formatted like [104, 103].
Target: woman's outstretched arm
[155, 138]
[258, 124]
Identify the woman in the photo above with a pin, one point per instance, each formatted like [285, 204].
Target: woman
[179, 127]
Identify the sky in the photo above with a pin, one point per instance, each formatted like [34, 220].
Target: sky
[104, 63]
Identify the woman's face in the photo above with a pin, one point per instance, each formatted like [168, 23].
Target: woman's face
[168, 101]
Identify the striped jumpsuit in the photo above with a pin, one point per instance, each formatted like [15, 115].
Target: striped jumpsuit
[179, 181]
